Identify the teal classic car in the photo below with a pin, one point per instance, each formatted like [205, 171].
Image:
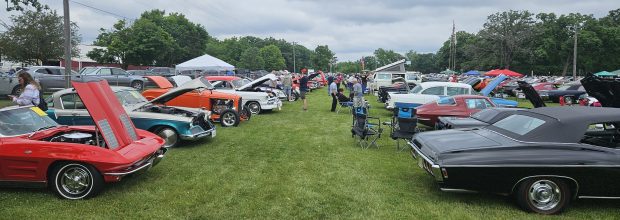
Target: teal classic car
[173, 124]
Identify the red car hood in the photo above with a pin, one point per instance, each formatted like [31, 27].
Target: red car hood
[107, 112]
[160, 81]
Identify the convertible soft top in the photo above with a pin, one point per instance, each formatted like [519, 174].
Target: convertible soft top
[563, 124]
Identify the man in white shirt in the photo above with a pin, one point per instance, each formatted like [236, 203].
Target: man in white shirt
[333, 90]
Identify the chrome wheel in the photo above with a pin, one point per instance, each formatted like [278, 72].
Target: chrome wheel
[137, 85]
[228, 119]
[544, 194]
[170, 137]
[254, 107]
[76, 180]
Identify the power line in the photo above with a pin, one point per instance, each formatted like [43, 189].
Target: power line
[101, 10]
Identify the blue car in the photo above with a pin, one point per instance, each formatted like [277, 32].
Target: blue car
[173, 124]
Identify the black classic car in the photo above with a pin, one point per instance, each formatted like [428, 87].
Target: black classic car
[399, 85]
[489, 115]
[573, 90]
[545, 157]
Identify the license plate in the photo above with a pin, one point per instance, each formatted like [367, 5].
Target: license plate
[213, 134]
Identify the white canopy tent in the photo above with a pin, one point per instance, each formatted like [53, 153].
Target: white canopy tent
[204, 63]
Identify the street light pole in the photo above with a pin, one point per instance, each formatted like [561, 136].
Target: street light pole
[575, 55]
[294, 66]
[67, 27]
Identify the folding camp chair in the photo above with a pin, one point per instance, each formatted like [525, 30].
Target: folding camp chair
[404, 123]
[343, 105]
[365, 129]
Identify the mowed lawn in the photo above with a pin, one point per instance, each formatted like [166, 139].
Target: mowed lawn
[287, 164]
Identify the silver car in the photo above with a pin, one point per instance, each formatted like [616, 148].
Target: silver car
[9, 85]
[114, 76]
[51, 78]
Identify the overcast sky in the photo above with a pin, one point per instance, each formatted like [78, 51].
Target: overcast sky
[351, 28]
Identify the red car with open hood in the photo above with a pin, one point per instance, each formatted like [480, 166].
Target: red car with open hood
[457, 106]
[74, 161]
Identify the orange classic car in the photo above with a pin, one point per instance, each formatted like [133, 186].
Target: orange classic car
[198, 93]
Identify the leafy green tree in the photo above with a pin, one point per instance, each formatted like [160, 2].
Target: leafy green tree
[385, 57]
[35, 37]
[425, 62]
[463, 55]
[273, 58]
[190, 39]
[370, 63]
[251, 59]
[507, 35]
[322, 57]
[348, 67]
[17, 5]
[143, 43]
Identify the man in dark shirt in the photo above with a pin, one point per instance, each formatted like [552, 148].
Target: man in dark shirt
[303, 87]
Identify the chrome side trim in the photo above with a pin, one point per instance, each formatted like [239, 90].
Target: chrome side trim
[564, 177]
[597, 197]
[457, 190]
[146, 165]
[532, 165]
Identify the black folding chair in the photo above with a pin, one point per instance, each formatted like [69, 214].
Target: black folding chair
[365, 129]
[404, 123]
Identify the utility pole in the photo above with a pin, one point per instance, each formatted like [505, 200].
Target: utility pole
[575, 55]
[294, 66]
[67, 28]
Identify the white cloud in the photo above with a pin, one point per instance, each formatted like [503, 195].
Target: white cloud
[351, 28]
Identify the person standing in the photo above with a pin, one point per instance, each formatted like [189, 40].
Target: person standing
[287, 84]
[330, 79]
[333, 90]
[303, 87]
[364, 81]
[358, 94]
[30, 90]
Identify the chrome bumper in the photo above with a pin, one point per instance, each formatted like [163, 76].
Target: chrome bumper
[192, 137]
[425, 163]
[142, 166]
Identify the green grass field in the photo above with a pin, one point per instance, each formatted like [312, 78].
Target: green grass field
[287, 164]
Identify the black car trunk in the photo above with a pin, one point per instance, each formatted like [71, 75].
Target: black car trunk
[531, 94]
[434, 143]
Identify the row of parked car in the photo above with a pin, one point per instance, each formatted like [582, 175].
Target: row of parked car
[132, 130]
[544, 157]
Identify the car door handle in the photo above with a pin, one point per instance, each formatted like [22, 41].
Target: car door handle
[27, 151]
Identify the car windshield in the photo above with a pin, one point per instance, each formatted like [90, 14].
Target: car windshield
[239, 82]
[130, 97]
[383, 76]
[416, 89]
[24, 120]
[89, 71]
[519, 124]
[565, 87]
[412, 77]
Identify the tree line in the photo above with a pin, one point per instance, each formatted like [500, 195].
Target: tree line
[518, 40]
[522, 41]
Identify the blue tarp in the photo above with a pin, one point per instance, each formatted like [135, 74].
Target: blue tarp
[472, 73]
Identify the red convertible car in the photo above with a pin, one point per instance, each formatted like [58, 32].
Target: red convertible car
[74, 161]
[457, 106]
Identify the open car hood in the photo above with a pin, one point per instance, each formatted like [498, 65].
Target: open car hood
[250, 86]
[493, 84]
[180, 80]
[198, 83]
[107, 112]
[607, 91]
[160, 81]
[531, 94]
